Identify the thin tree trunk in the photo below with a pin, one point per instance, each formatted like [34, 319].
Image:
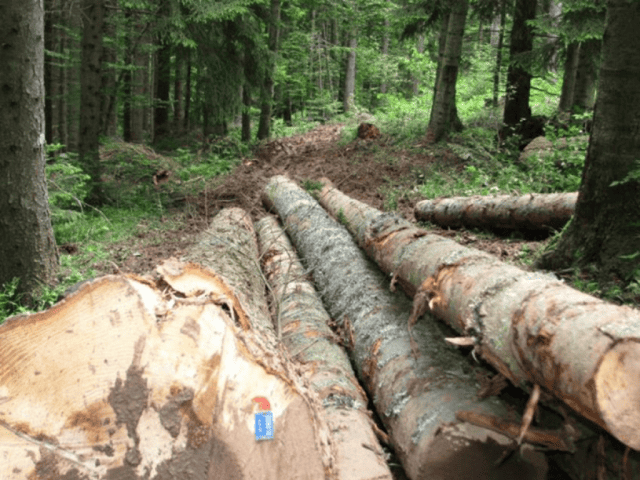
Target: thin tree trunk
[75, 83]
[28, 247]
[444, 114]
[442, 43]
[49, 45]
[163, 85]
[529, 212]
[299, 312]
[531, 327]
[246, 115]
[385, 51]
[63, 92]
[177, 89]
[350, 74]
[498, 67]
[109, 82]
[93, 11]
[586, 75]
[415, 81]
[569, 77]
[518, 79]
[264, 127]
[187, 93]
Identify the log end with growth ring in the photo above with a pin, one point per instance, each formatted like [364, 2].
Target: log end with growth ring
[618, 392]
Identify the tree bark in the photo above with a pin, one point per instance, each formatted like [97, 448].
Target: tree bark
[187, 93]
[498, 67]
[91, 79]
[517, 108]
[350, 74]
[586, 75]
[49, 40]
[406, 392]
[443, 113]
[28, 247]
[569, 77]
[604, 230]
[246, 113]
[302, 325]
[177, 89]
[108, 109]
[74, 86]
[531, 327]
[161, 100]
[264, 127]
[529, 212]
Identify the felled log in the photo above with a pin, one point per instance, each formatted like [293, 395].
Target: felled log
[302, 323]
[417, 400]
[135, 378]
[530, 326]
[527, 212]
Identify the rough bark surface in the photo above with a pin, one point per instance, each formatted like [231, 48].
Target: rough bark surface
[605, 227]
[131, 378]
[530, 212]
[302, 324]
[529, 325]
[417, 399]
[27, 245]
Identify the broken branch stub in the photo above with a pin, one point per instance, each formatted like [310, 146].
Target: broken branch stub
[417, 400]
[305, 333]
[528, 212]
[528, 325]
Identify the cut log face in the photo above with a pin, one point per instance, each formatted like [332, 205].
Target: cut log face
[127, 380]
[303, 324]
[530, 326]
[527, 212]
[417, 399]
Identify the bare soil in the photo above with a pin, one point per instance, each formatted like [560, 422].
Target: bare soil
[373, 171]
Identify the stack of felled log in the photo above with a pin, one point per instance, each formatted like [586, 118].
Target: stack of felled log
[476, 369]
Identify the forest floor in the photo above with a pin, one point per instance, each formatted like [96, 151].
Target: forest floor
[375, 171]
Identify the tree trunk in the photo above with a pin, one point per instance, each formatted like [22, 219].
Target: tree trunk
[177, 90]
[350, 74]
[442, 44]
[74, 77]
[605, 230]
[49, 46]
[246, 113]
[586, 75]
[529, 212]
[28, 247]
[63, 79]
[443, 114]
[498, 67]
[264, 127]
[161, 101]
[108, 109]
[167, 380]
[187, 93]
[385, 51]
[517, 108]
[302, 324]
[415, 81]
[530, 326]
[406, 393]
[569, 77]
[91, 79]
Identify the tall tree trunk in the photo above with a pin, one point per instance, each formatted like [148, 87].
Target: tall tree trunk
[63, 91]
[569, 77]
[246, 113]
[49, 45]
[187, 93]
[140, 95]
[109, 83]
[498, 67]
[74, 85]
[385, 52]
[91, 69]
[605, 228]
[264, 128]
[444, 113]
[163, 85]
[586, 75]
[518, 79]
[177, 89]
[415, 81]
[350, 74]
[28, 247]
[442, 43]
